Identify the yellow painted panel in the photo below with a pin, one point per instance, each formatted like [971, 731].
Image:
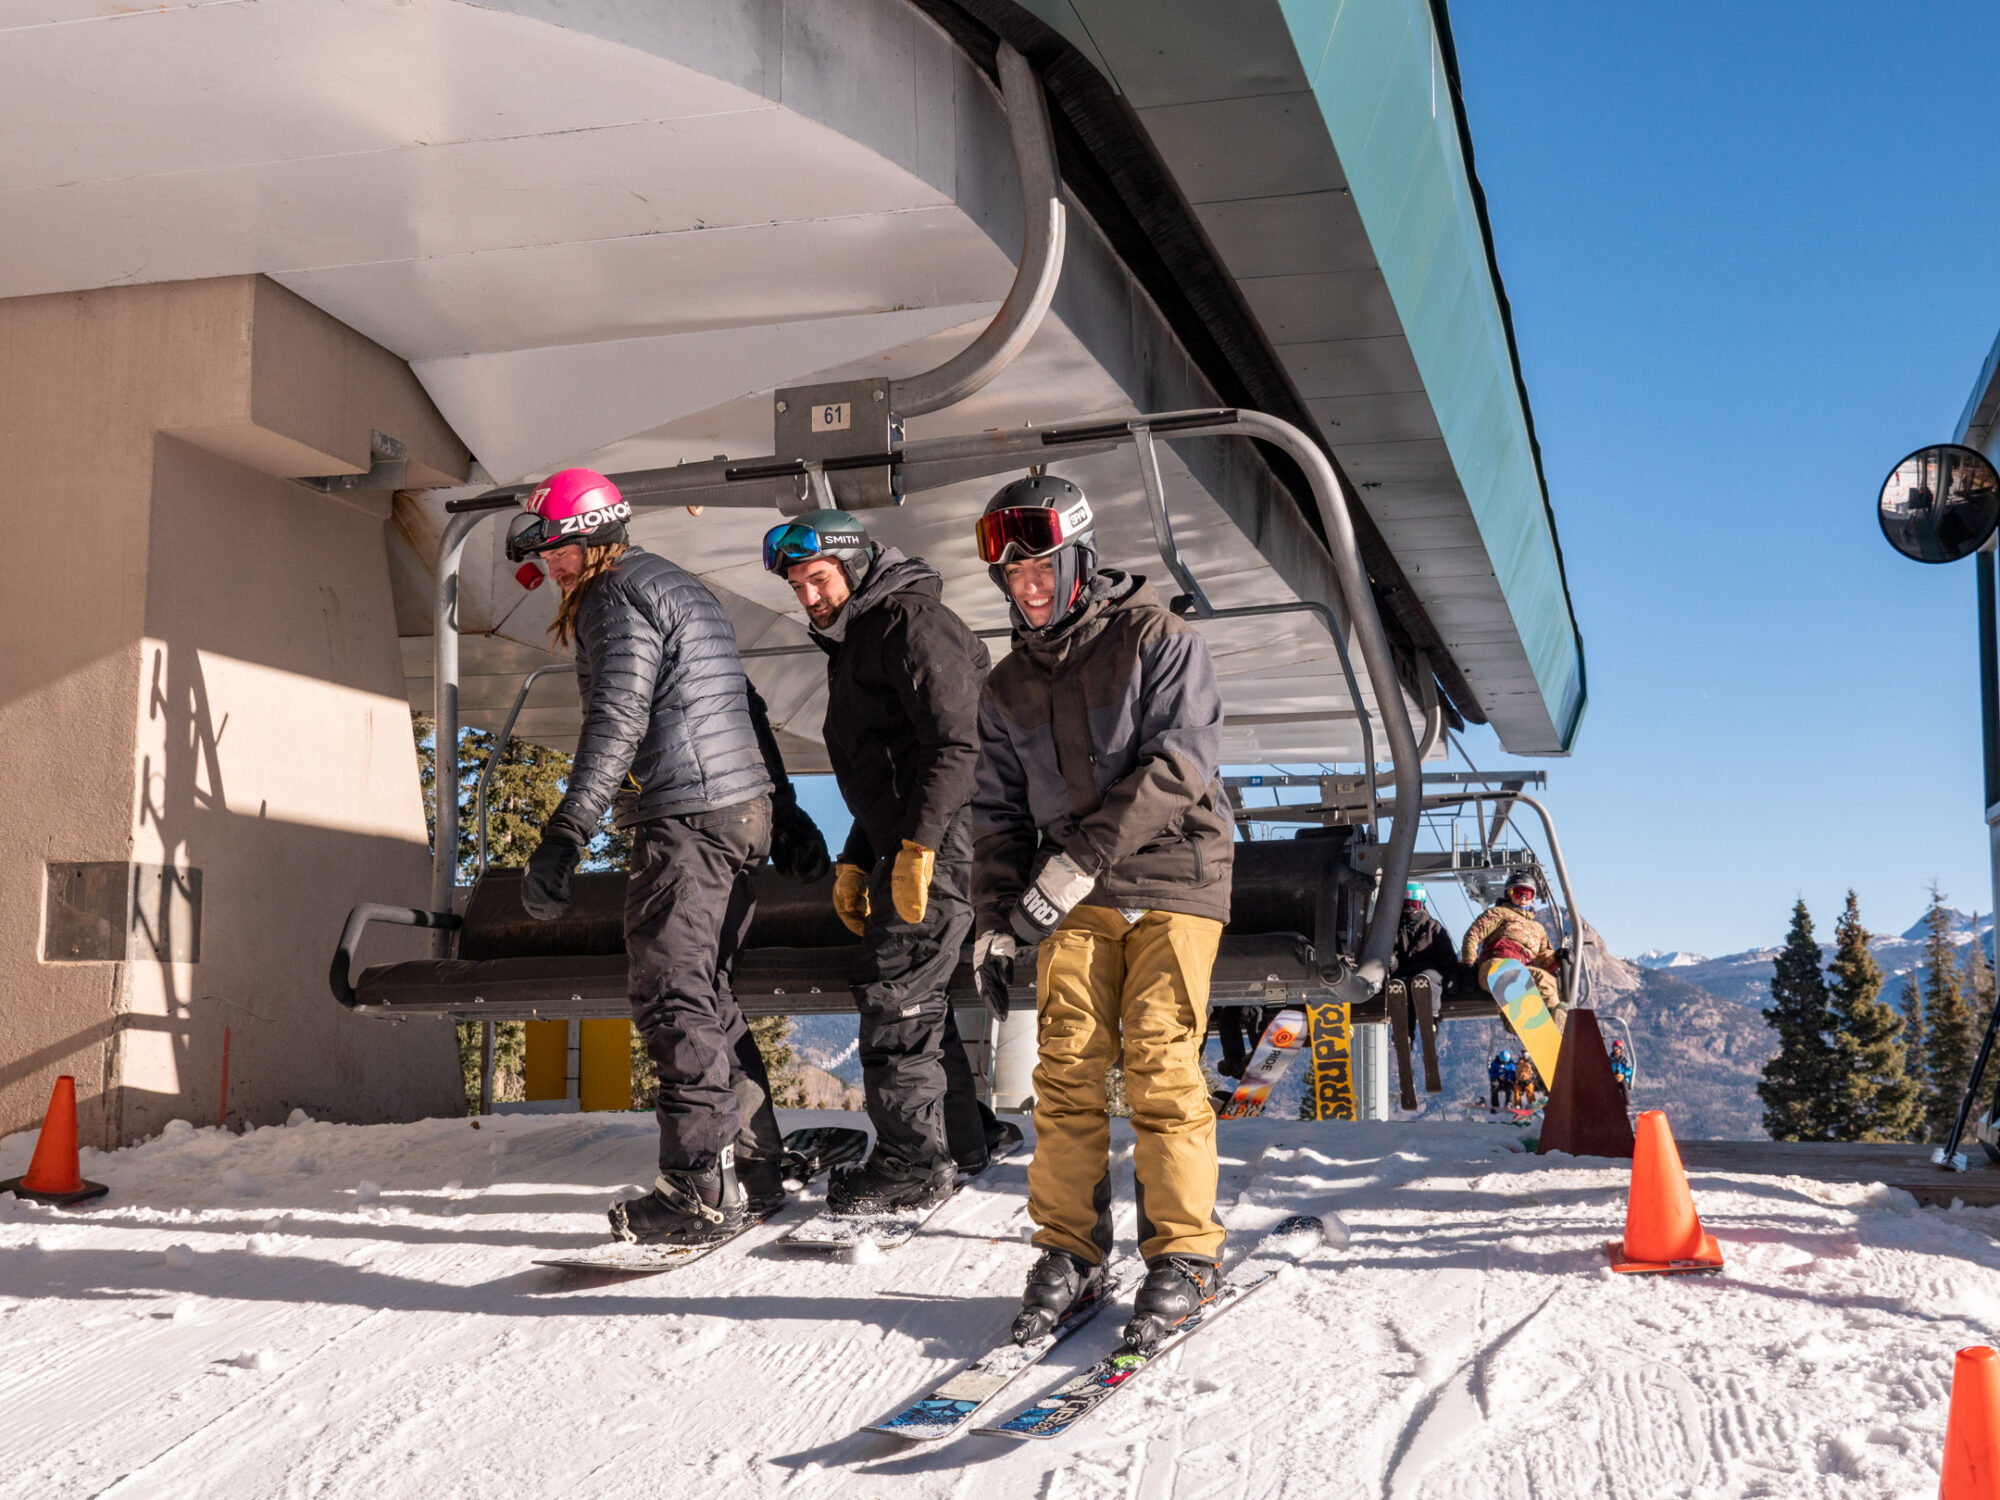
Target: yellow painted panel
[605, 1060]
[547, 1070]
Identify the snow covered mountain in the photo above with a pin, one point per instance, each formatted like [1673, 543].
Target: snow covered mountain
[1746, 977]
[1655, 958]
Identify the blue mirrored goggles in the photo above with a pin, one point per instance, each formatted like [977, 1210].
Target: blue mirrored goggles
[795, 542]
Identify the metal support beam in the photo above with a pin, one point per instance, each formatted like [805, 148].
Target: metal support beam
[1041, 260]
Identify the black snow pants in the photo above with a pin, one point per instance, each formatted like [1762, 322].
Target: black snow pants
[922, 1100]
[687, 910]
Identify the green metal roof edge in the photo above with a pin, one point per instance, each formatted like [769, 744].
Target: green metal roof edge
[1448, 49]
[1409, 193]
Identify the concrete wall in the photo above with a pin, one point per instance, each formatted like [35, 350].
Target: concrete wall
[199, 669]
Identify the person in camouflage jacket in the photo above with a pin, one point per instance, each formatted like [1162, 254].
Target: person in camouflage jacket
[1511, 929]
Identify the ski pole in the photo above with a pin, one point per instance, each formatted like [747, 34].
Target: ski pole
[1948, 1155]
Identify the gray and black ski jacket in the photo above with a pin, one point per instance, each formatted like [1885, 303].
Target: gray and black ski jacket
[1101, 738]
[667, 727]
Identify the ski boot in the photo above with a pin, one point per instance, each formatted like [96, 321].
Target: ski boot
[684, 1208]
[1057, 1283]
[1002, 1138]
[1175, 1288]
[884, 1185]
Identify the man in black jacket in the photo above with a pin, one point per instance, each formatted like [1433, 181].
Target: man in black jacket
[902, 701]
[670, 737]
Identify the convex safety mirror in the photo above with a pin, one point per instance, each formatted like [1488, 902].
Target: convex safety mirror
[1940, 504]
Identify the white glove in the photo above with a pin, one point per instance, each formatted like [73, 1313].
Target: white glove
[1058, 886]
[993, 955]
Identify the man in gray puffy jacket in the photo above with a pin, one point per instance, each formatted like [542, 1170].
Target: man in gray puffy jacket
[670, 741]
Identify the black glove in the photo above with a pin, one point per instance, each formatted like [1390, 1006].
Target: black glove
[798, 849]
[993, 969]
[545, 882]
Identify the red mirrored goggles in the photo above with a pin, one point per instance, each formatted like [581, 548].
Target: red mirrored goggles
[1029, 531]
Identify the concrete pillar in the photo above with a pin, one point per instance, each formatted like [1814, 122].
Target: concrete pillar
[1014, 1057]
[206, 737]
[1371, 1072]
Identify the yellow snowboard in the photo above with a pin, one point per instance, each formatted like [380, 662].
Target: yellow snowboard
[1512, 985]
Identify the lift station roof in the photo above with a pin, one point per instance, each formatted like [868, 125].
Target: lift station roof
[605, 235]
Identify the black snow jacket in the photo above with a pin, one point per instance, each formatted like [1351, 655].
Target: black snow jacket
[667, 727]
[903, 676]
[1423, 944]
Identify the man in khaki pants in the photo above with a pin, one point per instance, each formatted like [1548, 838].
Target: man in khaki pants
[1103, 834]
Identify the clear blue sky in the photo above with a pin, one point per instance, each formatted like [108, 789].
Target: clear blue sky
[1754, 257]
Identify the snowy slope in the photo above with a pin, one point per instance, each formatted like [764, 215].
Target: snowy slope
[243, 1319]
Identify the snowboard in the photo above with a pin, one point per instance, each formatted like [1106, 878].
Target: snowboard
[830, 1231]
[1076, 1398]
[808, 1152]
[1512, 985]
[1332, 1062]
[1267, 1065]
[948, 1409]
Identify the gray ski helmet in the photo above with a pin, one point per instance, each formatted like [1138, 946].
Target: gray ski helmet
[1517, 879]
[1068, 538]
[821, 533]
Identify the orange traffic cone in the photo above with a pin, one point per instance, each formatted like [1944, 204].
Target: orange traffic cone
[55, 1175]
[1662, 1230]
[1972, 1431]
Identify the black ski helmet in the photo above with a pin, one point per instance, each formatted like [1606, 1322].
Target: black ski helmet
[833, 534]
[1040, 516]
[1516, 881]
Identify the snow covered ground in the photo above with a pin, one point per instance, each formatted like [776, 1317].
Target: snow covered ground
[320, 1309]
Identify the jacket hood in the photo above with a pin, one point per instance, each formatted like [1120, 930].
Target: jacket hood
[893, 573]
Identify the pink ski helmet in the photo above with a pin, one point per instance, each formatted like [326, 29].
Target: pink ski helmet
[575, 505]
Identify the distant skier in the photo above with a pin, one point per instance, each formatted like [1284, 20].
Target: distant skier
[1621, 1069]
[902, 702]
[671, 737]
[1510, 929]
[1104, 835]
[1500, 1076]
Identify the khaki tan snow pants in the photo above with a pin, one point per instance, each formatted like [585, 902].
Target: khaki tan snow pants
[1105, 990]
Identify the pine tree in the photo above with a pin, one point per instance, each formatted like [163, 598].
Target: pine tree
[1914, 1050]
[1875, 1099]
[1948, 1040]
[1976, 977]
[1797, 1087]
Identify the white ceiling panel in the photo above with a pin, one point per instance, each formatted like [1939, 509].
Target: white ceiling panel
[662, 283]
[194, 89]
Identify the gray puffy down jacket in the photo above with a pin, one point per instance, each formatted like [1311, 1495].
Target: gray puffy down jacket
[666, 718]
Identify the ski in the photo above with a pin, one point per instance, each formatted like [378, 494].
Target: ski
[1267, 1065]
[972, 1387]
[807, 1153]
[1076, 1398]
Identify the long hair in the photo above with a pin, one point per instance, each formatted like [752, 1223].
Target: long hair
[597, 561]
